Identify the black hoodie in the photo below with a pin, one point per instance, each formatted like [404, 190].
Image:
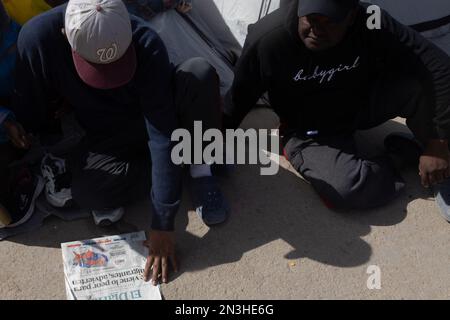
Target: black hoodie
[324, 91]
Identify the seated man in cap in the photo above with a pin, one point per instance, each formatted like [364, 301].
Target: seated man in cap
[113, 71]
[327, 75]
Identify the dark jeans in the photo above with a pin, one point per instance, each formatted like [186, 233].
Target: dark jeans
[113, 171]
[332, 164]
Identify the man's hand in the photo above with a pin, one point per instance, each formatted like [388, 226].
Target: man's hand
[434, 163]
[161, 249]
[17, 134]
[184, 7]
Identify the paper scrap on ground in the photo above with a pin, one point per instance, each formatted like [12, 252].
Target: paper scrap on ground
[109, 268]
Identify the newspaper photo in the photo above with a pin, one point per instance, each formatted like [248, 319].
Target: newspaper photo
[109, 268]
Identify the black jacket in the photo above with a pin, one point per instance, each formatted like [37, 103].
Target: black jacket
[325, 91]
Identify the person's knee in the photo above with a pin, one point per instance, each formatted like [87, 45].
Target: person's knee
[200, 70]
[376, 187]
[198, 95]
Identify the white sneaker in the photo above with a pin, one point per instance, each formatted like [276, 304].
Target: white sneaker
[442, 194]
[57, 192]
[104, 218]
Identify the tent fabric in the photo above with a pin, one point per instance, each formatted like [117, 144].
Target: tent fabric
[147, 9]
[200, 33]
[411, 12]
[240, 13]
[210, 20]
[419, 12]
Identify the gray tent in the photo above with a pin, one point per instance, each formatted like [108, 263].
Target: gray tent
[240, 13]
[202, 32]
[214, 29]
[431, 17]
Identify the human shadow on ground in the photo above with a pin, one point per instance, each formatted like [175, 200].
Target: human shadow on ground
[270, 208]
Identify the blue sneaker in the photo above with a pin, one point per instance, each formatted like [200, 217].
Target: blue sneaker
[442, 194]
[209, 201]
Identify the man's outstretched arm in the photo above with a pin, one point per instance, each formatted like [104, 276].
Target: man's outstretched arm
[165, 195]
[411, 52]
[160, 116]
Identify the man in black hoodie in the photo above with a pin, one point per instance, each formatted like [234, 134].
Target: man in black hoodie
[327, 74]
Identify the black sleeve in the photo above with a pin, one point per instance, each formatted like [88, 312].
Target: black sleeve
[248, 85]
[410, 51]
[157, 102]
[30, 99]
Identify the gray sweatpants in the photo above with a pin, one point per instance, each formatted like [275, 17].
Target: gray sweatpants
[342, 177]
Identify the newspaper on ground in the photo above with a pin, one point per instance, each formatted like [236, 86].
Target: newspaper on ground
[109, 268]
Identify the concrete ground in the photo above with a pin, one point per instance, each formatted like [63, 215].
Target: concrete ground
[280, 243]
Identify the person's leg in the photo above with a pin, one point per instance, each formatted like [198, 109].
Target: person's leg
[197, 94]
[110, 172]
[197, 98]
[342, 178]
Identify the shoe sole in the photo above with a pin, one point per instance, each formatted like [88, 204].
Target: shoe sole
[227, 209]
[55, 202]
[27, 216]
[106, 222]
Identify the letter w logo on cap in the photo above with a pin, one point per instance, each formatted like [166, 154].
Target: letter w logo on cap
[108, 54]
